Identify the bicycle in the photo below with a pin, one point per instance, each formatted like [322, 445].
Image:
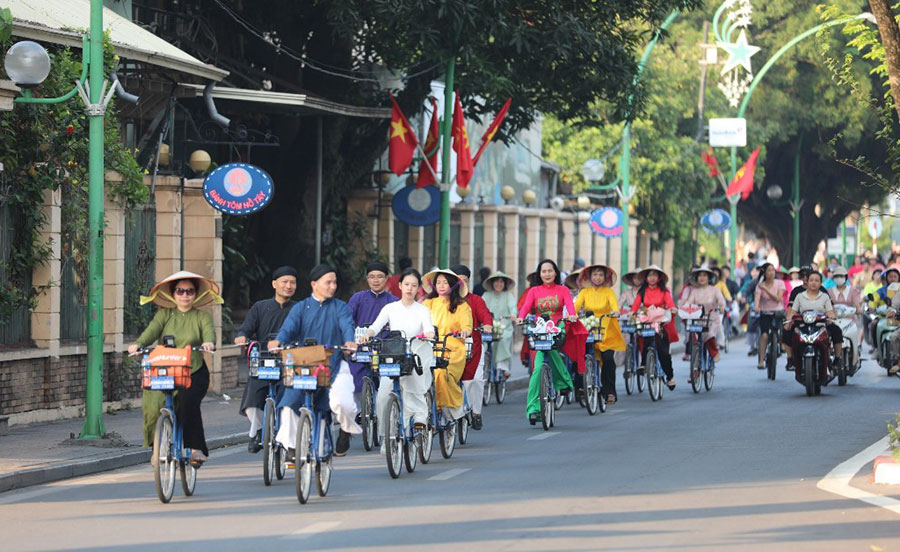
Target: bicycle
[544, 340]
[314, 443]
[267, 366]
[438, 423]
[493, 383]
[773, 346]
[168, 369]
[368, 417]
[696, 321]
[634, 379]
[649, 332]
[393, 359]
[593, 400]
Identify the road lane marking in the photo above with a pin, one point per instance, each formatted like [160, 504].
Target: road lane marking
[449, 474]
[544, 435]
[838, 480]
[314, 529]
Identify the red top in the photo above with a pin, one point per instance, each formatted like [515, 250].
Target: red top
[481, 316]
[393, 286]
[656, 297]
[547, 299]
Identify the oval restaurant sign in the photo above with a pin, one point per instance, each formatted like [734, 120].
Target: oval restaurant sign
[607, 222]
[238, 189]
[417, 206]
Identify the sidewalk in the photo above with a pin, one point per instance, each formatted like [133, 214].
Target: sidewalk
[41, 453]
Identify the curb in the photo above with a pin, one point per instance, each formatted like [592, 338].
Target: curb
[69, 470]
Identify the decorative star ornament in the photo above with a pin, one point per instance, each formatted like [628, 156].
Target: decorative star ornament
[739, 53]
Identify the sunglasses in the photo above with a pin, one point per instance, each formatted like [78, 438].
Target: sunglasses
[185, 291]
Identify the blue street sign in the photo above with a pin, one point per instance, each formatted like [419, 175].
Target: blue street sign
[238, 189]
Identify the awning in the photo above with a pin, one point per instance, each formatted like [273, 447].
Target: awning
[64, 22]
[297, 103]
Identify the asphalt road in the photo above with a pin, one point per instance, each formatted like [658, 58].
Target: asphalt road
[732, 469]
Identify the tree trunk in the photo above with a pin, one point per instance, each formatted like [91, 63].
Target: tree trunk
[890, 37]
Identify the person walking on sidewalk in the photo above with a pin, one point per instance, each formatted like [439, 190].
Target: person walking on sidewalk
[330, 322]
[502, 304]
[473, 376]
[262, 323]
[179, 297]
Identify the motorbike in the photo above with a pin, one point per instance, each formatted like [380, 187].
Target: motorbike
[884, 329]
[811, 347]
[852, 361]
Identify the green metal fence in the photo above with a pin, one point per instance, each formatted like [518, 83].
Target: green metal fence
[140, 266]
[16, 329]
[72, 297]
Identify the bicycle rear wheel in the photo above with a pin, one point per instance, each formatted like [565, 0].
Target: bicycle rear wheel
[188, 477]
[654, 380]
[426, 436]
[448, 439]
[629, 374]
[709, 375]
[500, 390]
[370, 431]
[323, 465]
[270, 455]
[410, 455]
[393, 436]
[547, 404]
[164, 474]
[303, 456]
[696, 384]
[462, 432]
[489, 375]
[591, 393]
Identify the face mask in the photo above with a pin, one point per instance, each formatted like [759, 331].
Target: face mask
[839, 280]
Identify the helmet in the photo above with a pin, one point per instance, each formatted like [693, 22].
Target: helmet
[839, 271]
[805, 270]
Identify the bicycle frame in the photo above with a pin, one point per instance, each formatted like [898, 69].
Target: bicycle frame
[177, 431]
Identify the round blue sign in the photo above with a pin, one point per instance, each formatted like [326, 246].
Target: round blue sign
[238, 189]
[417, 206]
[607, 222]
[715, 221]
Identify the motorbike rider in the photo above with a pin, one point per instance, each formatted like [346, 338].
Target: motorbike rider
[815, 298]
[889, 276]
[895, 337]
[844, 294]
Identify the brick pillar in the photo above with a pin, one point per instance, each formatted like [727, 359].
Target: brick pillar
[584, 236]
[568, 240]
[510, 249]
[491, 235]
[599, 252]
[45, 324]
[646, 257]
[552, 241]
[168, 226]
[467, 236]
[668, 256]
[114, 269]
[633, 235]
[532, 230]
[417, 247]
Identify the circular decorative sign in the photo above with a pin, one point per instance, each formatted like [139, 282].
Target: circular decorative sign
[715, 221]
[238, 189]
[417, 206]
[607, 222]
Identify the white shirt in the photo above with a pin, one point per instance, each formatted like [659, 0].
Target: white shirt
[411, 321]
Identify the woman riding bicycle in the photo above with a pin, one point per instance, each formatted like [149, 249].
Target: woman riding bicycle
[596, 295]
[411, 319]
[549, 298]
[179, 297]
[710, 297]
[769, 303]
[654, 293]
[451, 315]
[502, 304]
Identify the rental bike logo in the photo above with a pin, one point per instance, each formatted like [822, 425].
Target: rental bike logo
[238, 189]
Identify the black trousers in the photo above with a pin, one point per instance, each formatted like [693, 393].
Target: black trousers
[187, 409]
[662, 351]
[608, 374]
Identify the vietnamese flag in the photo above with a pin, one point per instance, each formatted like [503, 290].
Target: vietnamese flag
[403, 141]
[492, 130]
[742, 182]
[426, 176]
[464, 166]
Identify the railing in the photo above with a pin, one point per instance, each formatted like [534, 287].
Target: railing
[16, 330]
[140, 266]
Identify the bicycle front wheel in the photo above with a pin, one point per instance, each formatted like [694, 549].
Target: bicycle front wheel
[393, 435]
[654, 380]
[270, 455]
[368, 415]
[709, 375]
[164, 474]
[696, 383]
[547, 403]
[188, 478]
[303, 461]
[629, 374]
[489, 376]
[591, 393]
[426, 436]
[448, 439]
[323, 466]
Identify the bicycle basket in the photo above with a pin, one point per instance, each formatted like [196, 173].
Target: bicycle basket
[169, 369]
[307, 377]
[392, 346]
[392, 366]
[269, 367]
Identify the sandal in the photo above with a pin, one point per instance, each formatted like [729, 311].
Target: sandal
[760, 367]
[671, 384]
[610, 400]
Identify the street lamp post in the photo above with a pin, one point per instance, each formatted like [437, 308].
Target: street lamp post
[32, 65]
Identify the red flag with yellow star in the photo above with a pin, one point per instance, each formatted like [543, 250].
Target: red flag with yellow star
[427, 176]
[403, 141]
[464, 166]
[742, 182]
[492, 130]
